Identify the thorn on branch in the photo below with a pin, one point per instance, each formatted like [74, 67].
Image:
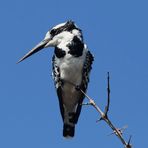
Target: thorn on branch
[88, 103]
[120, 130]
[99, 120]
[129, 143]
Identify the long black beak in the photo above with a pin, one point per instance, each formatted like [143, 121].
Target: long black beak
[37, 48]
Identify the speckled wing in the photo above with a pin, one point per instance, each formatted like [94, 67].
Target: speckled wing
[58, 84]
[85, 79]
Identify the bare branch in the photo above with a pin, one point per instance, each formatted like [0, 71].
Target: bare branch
[104, 115]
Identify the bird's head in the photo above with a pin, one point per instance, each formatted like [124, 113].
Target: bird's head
[59, 34]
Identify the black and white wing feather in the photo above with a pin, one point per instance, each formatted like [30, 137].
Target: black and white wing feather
[58, 84]
[85, 79]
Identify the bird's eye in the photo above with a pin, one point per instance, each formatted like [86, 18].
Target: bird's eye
[52, 32]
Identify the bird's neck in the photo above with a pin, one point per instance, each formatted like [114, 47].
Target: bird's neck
[66, 37]
[73, 46]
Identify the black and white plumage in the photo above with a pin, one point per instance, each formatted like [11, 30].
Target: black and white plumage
[71, 63]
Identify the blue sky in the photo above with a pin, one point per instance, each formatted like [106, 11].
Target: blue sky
[115, 31]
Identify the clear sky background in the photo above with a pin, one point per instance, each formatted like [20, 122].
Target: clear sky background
[116, 32]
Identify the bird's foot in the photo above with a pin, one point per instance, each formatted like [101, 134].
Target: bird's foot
[77, 87]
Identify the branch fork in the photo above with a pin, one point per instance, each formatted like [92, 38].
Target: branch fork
[104, 115]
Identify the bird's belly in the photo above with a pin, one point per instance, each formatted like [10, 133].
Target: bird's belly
[70, 96]
[72, 71]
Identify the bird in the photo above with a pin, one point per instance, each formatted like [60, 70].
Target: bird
[71, 65]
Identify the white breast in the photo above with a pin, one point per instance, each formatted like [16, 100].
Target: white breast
[71, 68]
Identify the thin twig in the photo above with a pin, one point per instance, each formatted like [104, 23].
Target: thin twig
[105, 118]
[108, 94]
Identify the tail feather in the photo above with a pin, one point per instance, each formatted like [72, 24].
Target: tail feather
[68, 131]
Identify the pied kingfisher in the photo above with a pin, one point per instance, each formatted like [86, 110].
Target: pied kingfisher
[71, 67]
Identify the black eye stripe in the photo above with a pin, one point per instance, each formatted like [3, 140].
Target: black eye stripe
[52, 32]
